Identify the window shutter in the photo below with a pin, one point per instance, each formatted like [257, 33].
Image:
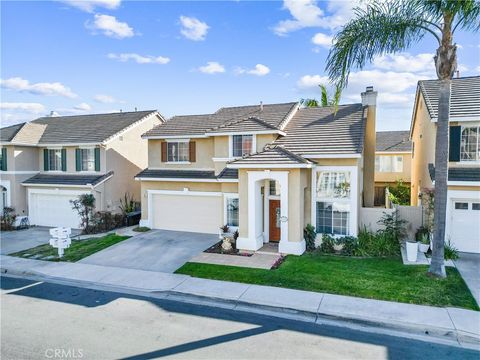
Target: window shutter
[164, 151]
[78, 160]
[192, 151]
[45, 159]
[4, 159]
[64, 159]
[454, 147]
[97, 159]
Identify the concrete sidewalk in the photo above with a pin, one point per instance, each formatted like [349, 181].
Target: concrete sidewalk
[458, 324]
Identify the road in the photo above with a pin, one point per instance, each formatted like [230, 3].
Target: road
[52, 321]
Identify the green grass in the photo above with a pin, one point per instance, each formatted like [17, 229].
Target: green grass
[79, 249]
[141, 229]
[373, 278]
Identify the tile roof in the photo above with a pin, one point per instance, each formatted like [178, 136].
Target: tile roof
[66, 179]
[8, 133]
[458, 173]
[244, 125]
[393, 141]
[30, 134]
[272, 155]
[187, 174]
[464, 99]
[316, 131]
[228, 174]
[272, 116]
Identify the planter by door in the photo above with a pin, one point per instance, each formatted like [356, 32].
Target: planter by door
[412, 251]
[274, 213]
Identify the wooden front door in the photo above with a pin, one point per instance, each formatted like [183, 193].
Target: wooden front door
[274, 213]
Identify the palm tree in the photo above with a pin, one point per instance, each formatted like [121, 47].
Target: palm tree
[390, 27]
[325, 100]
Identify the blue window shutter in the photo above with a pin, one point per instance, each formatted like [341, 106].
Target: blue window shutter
[454, 147]
[4, 159]
[45, 159]
[97, 159]
[64, 159]
[78, 160]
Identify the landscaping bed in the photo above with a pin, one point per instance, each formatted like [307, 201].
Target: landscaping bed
[78, 250]
[373, 278]
[217, 249]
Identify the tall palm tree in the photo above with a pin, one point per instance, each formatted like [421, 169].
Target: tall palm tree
[390, 27]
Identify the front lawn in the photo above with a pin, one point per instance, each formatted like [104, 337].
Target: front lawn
[374, 278]
[79, 249]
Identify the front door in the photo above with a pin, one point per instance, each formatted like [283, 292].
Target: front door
[274, 211]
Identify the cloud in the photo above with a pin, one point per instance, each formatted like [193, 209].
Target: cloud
[312, 81]
[193, 29]
[421, 63]
[477, 69]
[258, 70]
[462, 68]
[22, 85]
[139, 59]
[22, 106]
[105, 99]
[323, 40]
[110, 26]
[83, 107]
[90, 5]
[212, 67]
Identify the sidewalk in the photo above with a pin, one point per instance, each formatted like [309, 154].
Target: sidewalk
[457, 324]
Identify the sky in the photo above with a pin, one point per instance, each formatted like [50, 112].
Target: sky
[81, 57]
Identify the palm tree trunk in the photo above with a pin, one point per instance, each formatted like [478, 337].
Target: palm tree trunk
[437, 266]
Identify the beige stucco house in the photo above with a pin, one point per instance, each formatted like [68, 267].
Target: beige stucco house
[50, 161]
[463, 197]
[266, 170]
[393, 161]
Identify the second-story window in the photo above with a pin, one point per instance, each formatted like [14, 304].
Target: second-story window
[389, 163]
[242, 145]
[178, 152]
[55, 159]
[87, 159]
[470, 144]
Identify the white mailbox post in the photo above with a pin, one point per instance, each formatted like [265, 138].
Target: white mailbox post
[60, 239]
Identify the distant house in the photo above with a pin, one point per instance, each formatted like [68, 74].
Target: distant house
[266, 170]
[393, 158]
[50, 161]
[463, 197]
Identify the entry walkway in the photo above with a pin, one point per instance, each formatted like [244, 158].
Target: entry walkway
[256, 261]
[469, 266]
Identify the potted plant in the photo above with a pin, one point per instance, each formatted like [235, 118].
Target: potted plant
[412, 250]
[424, 243]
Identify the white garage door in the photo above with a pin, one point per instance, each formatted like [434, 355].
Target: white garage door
[53, 209]
[194, 212]
[465, 225]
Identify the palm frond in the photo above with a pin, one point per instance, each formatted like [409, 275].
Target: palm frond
[309, 102]
[336, 97]
[324, 99]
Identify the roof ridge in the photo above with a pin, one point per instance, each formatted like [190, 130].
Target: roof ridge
[251, 105]
[100, 114]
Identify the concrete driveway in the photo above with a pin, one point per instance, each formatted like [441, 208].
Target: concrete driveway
[13, 241]
[156, 250]
[469, 266]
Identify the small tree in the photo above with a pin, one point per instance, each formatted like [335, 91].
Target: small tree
[8, 218]
[309, 234]
[399, 193]
[85, 206]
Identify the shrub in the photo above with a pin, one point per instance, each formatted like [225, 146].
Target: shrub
[350, 245]
[421, 232]
[399, 193]
[372, 244]
[309, 235]
[327, 245]
[394, 225]
[104, 221]
[451, 252]
[7, 220]
[128, 204]
[85, 205]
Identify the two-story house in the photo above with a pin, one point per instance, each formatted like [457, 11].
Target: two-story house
[47, 162]
[393, 161]
[463, 198]
[266, 170]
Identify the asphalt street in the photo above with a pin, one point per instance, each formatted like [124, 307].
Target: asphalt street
[52, 321]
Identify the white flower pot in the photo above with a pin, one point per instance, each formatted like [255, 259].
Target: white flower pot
[423, 247]
[412, 251]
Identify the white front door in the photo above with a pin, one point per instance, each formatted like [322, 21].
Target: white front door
[465, 225]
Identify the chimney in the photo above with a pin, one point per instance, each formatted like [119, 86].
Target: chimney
[261, 105]
[369, 97]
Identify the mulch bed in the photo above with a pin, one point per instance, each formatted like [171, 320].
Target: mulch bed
[217, 249]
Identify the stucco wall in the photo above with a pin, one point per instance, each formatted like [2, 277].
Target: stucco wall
[369, 158]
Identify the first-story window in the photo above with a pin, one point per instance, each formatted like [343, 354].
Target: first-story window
[232, 211]
[177, 151]
[54, 159]
[242, 145]
[87, 159]
[470, 144]
[333, 218]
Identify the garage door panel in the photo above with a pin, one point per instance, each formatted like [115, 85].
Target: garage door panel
[465, 225]
[187, 213]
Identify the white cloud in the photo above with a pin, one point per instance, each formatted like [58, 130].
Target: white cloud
[19, 84]
[22, 106]
[421, 63]
[322, 39]
[212, 67]
[90, 5]
[193, 29]
[258, 70]
[477, 69]
[139, 59]
[105, 99]
[312, 81]
[462, 68]
[82, 107]
[110, 26]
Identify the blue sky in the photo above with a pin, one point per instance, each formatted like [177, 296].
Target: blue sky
[78, 57]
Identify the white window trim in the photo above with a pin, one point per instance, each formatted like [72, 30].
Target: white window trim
[230, 146]
[86, 172]
[394, 158]
[226, 197]
[181, 140]
[470, 162]
[48, 151]
[353, 201]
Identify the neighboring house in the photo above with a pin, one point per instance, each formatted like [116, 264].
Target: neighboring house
[463, 198]
[266, 170]
[50, 161]
[393, 161]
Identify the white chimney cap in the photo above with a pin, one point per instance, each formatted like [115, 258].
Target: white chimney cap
[369, 97]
